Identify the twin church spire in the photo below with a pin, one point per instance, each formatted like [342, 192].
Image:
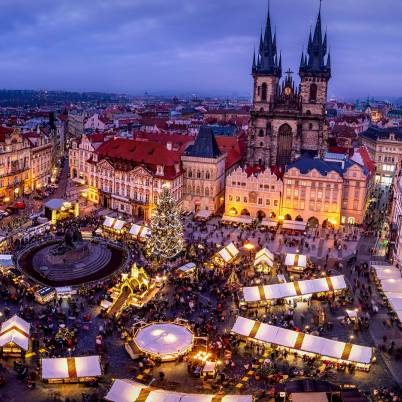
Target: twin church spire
[313, 62]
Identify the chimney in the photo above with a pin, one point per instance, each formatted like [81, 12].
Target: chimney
[169, 146]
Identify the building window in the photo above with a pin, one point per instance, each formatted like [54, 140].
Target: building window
[276, 203]
[261, 133]
[264, 92]
[260, 201]
[207, 175]
[267, 202]
[245, 199]
[230, 198]
[237, 199]
[313, 92]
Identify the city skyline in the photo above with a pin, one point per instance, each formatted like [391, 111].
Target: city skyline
[205, 48]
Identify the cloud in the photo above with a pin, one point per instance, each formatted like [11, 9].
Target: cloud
[191, 45]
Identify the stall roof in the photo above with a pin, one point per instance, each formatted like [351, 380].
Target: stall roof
[392, 285]
[386, 272]
[294, 225]
[301, 341]
[55, 203]
[296, 260]
[109, 221]
[268, 223]
[139, 231]
[204, 214]
[309, 397]
[290, 289]
[63, 367]
[187, 267]
[128, 391]
[118, 225]
[264, 256]
[15, 330]
[6, 260]
[247, 220]
[229, 252]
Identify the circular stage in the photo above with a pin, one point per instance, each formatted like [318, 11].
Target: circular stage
[165, 341]
[54, 264]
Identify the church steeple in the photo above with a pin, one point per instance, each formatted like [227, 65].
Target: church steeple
[267, 61]
[316, 51]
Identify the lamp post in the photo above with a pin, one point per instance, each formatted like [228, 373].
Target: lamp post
[249, 247]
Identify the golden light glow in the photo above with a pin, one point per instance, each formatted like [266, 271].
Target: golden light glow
[7, 199]
[232, 211]
[249, 246]
[281, 218]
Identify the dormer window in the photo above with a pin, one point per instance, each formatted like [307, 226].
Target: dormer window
[159, 170]
[95, 158]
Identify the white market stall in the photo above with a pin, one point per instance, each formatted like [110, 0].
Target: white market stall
[227, 254]
[14, 337]
[186, 269]
[203, 215]
[267, 223]
[264, 260]
[340, 352]
[242, 219]
[294, 226]
[113, 224]
[296, 262]
[382, 272]
[71, 369]
[305, 288]
[166, 341]
[139, 232]
[6, 262]
[129, 391]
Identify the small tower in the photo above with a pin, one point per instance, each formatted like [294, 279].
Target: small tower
[266, 69]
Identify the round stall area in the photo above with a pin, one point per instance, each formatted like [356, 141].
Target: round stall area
[166, 341]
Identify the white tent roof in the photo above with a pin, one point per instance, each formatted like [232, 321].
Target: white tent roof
[108, 222]
[15, 330]
[303, 342]
[298, 260]
[164, 339]
[392, 285]
[237, 219]
[290, 289]
[264, 256]
[268, 223]
[294, 225]
[118, 225]
[386, 272]
[57, 368]
[229, 252]
[140, 231]
[187, 267]
[204, 214]
[129, 391]
[6, 260]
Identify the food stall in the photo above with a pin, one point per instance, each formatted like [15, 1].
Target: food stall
[164, 341]
[292, 290]
[65, 292]
[264, 261]
[113, 225]
[268, 224]
[202, 216]
[226, 255]
[62, 370]
[6, 262]
[244, 220]
[293, 227]
[139, 232]
[303, 344]
[57, 209]
[14, 337]
[129, 391]
[296, 263]
[186, 269]
[44, 295]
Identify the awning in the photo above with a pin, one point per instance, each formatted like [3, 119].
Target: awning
[71, 367]
[294, 225]
[15, 330]
[204, 214]
[304, 342]
[264, 256]
[139, 231]
[293, 289]
[392, 285]
[109, 221]
[244, 219]
[129, 391]
[118, 225]
[6, 260]
[268, 223]
[187, 267]
[296, 260]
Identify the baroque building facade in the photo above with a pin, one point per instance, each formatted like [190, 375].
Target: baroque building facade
[288, 121]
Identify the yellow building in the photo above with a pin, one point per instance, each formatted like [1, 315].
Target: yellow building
[15, 162]
[253, 192]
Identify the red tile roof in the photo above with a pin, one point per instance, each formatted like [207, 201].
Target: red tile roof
[127, 154]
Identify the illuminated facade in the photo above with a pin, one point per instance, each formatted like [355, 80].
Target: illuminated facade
[15, 162]
[257, 194]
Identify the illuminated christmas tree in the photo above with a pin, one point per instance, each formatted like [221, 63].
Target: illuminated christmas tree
[167, 239]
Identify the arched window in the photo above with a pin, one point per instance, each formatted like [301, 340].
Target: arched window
[313, 92]
[206, 191]
[198, 175]
[207, 175]
[264, 91]
[261, 133]
[190, 173]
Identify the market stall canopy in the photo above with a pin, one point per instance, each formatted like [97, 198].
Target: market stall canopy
[129, 391]
[187, 267]
[6, 260]
[386, 272]
[55, 203]
[109, 221]
[296, 260]
[228, 253]
[139, 231]
[118, 225]
[71, 367]
[244, 219]
[204, 214]
[294, 225]
[293, 289]
[392, 285]
[264, 256]
[303, 342]
[268, 223]
[15, 330]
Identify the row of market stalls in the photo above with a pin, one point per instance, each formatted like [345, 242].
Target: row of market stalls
[389, 282]
[285, 225]
[119, 227]
[302, 343]
[293, 290]
[129, 391]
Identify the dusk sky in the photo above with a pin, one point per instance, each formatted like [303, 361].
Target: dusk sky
[200, 46]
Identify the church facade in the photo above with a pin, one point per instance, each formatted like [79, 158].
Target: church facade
[286, 120]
